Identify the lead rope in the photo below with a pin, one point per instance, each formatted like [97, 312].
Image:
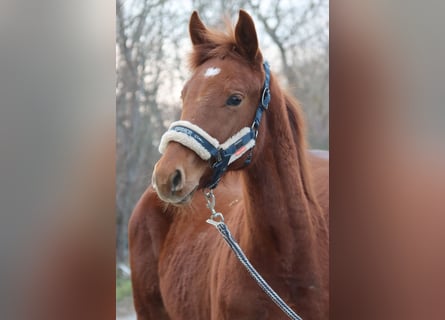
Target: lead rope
[217, 220]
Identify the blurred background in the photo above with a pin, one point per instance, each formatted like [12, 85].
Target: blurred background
[152, 43]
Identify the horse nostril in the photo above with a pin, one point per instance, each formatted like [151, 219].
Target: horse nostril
[176, 180]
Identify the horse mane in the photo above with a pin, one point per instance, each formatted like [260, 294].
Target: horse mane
[219, 44]
[298, 128]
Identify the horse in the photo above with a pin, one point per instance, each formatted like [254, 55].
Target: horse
[273, 195]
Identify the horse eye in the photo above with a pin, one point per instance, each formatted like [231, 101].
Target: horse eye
[233, 100]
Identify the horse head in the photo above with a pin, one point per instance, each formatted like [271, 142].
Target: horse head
[220, 101]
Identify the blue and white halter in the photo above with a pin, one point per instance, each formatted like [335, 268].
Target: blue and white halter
[208, 148]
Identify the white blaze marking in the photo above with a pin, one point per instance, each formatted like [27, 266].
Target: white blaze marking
[212, 71]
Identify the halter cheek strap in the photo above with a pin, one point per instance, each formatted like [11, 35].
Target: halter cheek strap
[209, 148]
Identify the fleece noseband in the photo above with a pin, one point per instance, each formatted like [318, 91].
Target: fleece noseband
[209, 149]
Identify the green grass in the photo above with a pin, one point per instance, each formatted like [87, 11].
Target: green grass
[123, 288]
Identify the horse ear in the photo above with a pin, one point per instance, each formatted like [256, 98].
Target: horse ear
[197, 29]
[245, 35]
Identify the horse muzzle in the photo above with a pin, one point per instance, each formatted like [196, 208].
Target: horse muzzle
[177, 174]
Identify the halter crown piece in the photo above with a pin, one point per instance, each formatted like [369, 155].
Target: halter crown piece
[208, 148]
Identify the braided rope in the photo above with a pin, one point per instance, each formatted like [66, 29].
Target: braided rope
[225, 232]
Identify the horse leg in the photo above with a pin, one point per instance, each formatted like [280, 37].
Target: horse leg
[145, 237]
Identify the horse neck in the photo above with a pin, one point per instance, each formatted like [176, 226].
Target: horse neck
[278, 214]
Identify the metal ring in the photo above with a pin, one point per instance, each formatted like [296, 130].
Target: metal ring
[266, 93]
[216, 215]
[210, 197]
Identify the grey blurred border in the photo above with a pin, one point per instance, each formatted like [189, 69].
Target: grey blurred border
[57, 119]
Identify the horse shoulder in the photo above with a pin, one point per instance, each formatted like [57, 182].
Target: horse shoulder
[147, 228]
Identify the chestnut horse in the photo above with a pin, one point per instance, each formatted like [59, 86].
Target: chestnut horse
[276, 206]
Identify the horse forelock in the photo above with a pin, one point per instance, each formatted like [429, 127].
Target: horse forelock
[220, 44]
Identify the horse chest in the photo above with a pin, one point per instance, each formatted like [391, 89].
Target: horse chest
[200, 278]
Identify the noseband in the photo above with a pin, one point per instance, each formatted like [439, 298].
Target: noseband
[209, 149]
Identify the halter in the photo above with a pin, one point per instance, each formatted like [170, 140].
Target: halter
[209, 149]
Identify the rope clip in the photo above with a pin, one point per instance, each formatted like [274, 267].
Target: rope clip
[216, 218]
